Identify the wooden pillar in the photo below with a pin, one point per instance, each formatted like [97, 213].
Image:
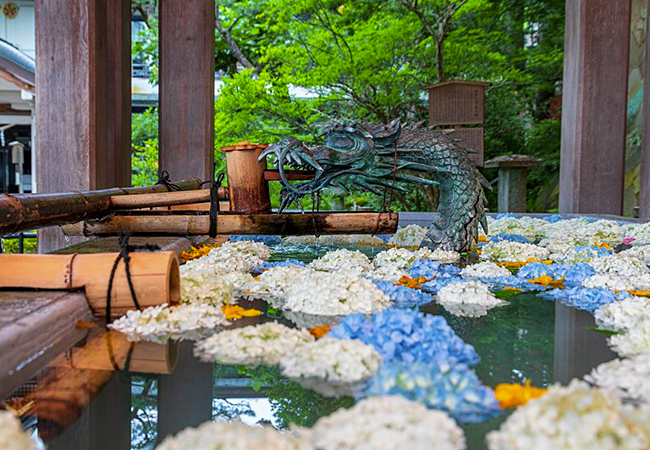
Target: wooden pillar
[119, 93]
[184, 396]
[72, 98]
[644, 193]
[594, 106]
[187, 88]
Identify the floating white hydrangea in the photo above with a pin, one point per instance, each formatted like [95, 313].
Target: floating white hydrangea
[529, 227]
[343, 260]
[640, 232]
[205, 286]
[386, 423]
[634, 341]
[399, 258]
[273, 283]
[332, 367]
[12, 436]
[506, 251]
[334, 293]
[239, 280]
[622, 315]
[442, 256]
[486, 269]
[409, 236]
[468, 298]
[627, 378]
[574, 417]
[162, 323]
[611, 282]
[387, 273]
[641, 252]
[241, 256]
[230, 436]
[263, 344]
[620, 264]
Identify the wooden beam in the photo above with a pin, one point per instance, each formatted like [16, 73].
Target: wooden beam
[594, 111]
[119, 93]
[187, 88]
[644, 192]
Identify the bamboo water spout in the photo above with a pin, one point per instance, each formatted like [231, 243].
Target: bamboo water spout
[171, 223]
[20, 212]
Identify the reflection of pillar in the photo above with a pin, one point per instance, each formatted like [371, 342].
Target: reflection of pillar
[577, 349]
[185, 396]
[105, 424]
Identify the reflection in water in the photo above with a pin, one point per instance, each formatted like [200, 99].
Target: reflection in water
[108, 393]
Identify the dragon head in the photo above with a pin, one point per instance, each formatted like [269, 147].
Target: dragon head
[352, 155]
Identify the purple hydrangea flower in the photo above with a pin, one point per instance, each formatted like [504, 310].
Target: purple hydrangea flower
[574, 274]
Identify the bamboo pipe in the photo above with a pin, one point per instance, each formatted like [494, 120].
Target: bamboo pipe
[20, 212]
[199, 224]
[165, 199]
[155, 277]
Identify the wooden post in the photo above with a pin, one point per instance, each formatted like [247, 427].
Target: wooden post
[72, 107]
[248, 188]
[594, 111]
[119, 93]
[187, 88]
[644, 193]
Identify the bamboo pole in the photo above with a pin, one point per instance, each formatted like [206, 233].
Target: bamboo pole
[155, 277]
[165, 199]
[20, 212]
[158, 223]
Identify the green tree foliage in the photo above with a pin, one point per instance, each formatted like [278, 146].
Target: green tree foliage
[289, 67]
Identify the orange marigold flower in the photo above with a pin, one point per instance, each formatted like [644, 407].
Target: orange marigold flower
[640, 293]
[511, 395]
[319, 332]
[547, 282]
[604, 245]
[196, 252]
[510, 288]
[413, 283]
[237, 312]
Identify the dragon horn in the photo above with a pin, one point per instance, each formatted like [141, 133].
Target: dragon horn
[267, 151]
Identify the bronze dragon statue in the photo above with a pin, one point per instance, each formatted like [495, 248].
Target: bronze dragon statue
[371, 157]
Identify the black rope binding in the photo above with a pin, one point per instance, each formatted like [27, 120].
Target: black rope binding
[164, 180]
[125, 249]
[214, 203]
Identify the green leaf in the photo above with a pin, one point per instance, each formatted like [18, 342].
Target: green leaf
[604, 331]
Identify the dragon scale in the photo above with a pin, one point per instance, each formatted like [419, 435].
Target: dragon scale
[371, 157]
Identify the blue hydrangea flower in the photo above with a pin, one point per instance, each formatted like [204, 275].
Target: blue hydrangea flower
[424, 268]
[264, 239]
[428, 269]
[574, 274]
[502, 215]
[442, 384]
[406, 335]
[587, 299]
[500, 283]
[439, 282]
[554, 218]
[403, 297]
[287, 262]
[510, 237]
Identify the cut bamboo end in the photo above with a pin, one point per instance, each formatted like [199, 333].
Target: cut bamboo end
[155, 277]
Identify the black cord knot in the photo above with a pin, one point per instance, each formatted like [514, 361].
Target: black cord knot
[214, 203]
[165, 181]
